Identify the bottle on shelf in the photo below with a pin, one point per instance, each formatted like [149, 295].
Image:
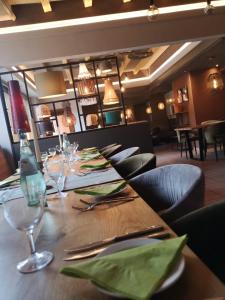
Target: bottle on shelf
[31, 179]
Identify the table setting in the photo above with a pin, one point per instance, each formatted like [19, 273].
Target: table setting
[105, 240]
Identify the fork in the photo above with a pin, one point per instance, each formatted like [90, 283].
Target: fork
[92, 205]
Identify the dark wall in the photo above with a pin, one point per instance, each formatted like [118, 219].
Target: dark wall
[136, 134]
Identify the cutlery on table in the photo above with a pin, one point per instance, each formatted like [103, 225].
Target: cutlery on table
[126, 236]
[109, 199]
[92, 205]
[94, 252]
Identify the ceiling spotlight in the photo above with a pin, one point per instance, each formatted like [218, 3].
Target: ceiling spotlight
[87, 3]
[126, 1]
[209, 9]
[153, 11]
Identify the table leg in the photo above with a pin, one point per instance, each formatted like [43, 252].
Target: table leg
[201, 143]
[189, 144]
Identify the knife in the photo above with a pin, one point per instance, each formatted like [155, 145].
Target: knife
[91, 246]
[94, 252]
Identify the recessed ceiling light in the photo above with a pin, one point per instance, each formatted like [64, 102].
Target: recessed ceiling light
[217, 65]
[87, 3]
[125, 1]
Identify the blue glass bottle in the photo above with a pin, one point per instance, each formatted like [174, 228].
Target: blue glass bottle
[31, 179]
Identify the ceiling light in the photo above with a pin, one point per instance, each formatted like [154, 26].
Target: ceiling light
[149, 110]
[215, 81]
[209, 9]
[110, 96]
[50, 84]
[217, 66]
[122, 89]
[153, 11]
[161, 106]
[46, 6]
[87, 3]
[126, 1]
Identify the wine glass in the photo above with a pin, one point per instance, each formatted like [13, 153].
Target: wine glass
[44, 156]
[25, 215]
[52, 151]
[55, 170]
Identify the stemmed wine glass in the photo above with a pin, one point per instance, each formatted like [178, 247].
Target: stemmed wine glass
[25, 215]
[55, 170]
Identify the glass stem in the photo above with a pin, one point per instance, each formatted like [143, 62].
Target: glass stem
[31, 241]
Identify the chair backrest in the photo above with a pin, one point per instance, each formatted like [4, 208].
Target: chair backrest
[172, 190]
[136, 165]
[205, 228]
[107, 147]
[212, 131]
[110, 151]
[116, 158]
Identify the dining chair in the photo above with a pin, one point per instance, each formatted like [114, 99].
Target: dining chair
[205, 228]
[135, 165]
[171, 190]
[116, 158]
[214, 134]
[110, 151]
[182, 142]
[107, 147]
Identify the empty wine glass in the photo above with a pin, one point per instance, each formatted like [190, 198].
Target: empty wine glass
[25, 215]
[55, 170]
[52, 151]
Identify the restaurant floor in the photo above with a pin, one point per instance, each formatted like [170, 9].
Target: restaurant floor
[214, 170]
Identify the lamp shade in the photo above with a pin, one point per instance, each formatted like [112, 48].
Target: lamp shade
[86, 85]
[110, 96]
[92, 120]
[112, 117]
[19, 115]
[161, 105]
[149, 110]
[215, 81]
[50, 84]
[68, 118]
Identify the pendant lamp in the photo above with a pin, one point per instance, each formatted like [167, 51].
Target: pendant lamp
[19, 115]
[50, 84]
[110, 96]
[68, 118]
[86, 85]
[161, 106]
[215, 82]
[148, 110]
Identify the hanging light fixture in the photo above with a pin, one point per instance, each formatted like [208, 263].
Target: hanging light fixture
[106, 66]
[161, 105]
[86, 85]
[148, 110]
[215, 81]
[153, 11]
[110, 96]
[68, 118]
[50, 84]
[209, 9]
[19, 115]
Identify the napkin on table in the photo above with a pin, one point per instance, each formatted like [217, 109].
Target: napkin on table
[96, 166]
[102, 189]
[134, 273]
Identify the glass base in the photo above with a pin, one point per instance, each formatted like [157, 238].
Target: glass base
[35, 262]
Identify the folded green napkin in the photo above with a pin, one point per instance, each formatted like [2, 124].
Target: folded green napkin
[135, 273]
[90, 150]
[89, 156]
[96, 166]
[102, 190]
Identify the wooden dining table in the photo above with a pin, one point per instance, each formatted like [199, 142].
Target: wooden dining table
[64, 227]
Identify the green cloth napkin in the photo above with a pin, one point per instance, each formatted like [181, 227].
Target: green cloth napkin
[102, 190]
[89, 156]
[90, 150]
[135, 273]
[96, 166]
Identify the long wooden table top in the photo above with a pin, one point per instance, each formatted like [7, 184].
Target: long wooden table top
[63, 227]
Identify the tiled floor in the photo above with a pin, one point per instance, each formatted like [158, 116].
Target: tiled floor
[214, 170]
